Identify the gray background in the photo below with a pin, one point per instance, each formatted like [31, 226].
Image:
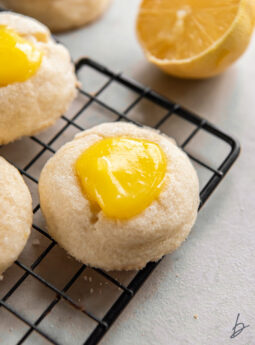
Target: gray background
[215, 267]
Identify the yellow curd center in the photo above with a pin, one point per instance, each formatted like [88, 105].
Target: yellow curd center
[19, 59]
[123, 176]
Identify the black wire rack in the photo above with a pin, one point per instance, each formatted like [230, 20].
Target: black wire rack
[203, 143]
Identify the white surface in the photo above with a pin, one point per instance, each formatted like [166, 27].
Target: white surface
[212, 274]
[215, 267]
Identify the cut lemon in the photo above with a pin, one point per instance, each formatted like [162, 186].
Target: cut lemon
[195, 38]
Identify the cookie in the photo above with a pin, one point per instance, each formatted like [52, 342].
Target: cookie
[94, 234]
[15, 214]
[37, 79]
[60, 15]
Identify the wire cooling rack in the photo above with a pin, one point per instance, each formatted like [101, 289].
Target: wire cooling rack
[41, 320]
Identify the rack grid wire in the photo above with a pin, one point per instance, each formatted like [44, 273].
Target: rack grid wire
[169, 109]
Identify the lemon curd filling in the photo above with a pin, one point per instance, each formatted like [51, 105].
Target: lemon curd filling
[123, 176]
[19, 59]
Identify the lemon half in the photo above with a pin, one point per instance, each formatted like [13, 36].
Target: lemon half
[195, 38]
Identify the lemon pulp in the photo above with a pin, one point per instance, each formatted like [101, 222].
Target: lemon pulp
[195, 38]
[181, 29]
[123, 176]
[19, 59]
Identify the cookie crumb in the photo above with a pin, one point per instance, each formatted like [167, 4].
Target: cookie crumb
[79, 300]
[36, 242]
[1, 277]
[90, 279]
[91, 291]
[100, 283]
[195, 316]
[85, 277]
